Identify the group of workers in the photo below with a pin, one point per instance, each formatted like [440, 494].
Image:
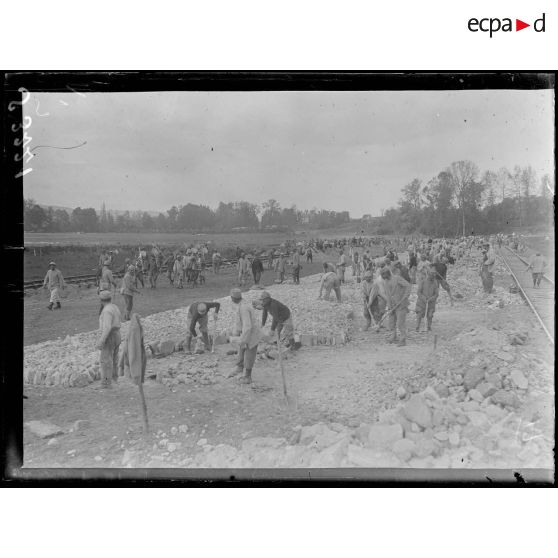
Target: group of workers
[386, 284]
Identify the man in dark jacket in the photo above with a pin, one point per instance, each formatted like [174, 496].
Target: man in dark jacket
[282, 320]
[198, 314]
[257, 269]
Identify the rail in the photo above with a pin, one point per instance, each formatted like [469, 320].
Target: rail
[532, 303]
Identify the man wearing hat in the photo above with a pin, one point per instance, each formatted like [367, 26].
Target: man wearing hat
[297, 266]
[246, 326]
[198, 314]
[281, 267]
[282, 320]
[109, 324]
[366, 287]
[537, 265]
[55, 282]
[397, 291]
[127, 291]
[427, 295]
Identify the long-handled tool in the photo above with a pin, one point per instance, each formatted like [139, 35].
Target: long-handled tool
[426, 314]
[387, 314]
[214, 333]
[143, 408]
[280, 357]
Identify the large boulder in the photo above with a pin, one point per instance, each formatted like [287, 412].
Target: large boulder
[518, 379]
[416, 410]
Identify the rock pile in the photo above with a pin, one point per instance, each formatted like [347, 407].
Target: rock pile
[74, 362]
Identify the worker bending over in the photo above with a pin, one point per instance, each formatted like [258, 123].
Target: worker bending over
[282, 320]
[198, 314]
[330, 280]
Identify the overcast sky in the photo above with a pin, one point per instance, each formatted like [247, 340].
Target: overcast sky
[334, 150]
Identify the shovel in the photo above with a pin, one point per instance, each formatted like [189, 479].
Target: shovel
[387, 314]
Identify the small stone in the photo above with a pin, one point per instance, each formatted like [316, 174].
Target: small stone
[417, 411]
[442, 390]
[470, 406]
[476, 395]
[454, 439]
[98, 458]
[174, 431]
[415, 427]
[401, 392]
[442, 436]
[52, 442]
[183, 428]
[505, 398]
[505, 356]
[403, 449]
[518, 379]
[81, 425]
[486, 389]
[473, 377]
[425, 447]
[202, 442]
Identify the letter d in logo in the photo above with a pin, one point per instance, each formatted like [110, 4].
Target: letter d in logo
[539, 24]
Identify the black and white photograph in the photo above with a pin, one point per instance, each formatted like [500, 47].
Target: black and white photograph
[314, 277]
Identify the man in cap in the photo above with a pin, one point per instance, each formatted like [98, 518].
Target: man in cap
[216, 262]
[107, 280]
[366, 290]
[328, 266]
[55, 282]
[169, 263]
[246, 326]
[330, 280]
[198, 314]
[127, 291]
[282, 320]
[109, 325]
[397, 291]
[427, 294]
[537, 265]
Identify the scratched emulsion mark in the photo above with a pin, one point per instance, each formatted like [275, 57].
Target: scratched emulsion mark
[24, 125]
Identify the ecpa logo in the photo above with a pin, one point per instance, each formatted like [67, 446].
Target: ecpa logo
[494, 24]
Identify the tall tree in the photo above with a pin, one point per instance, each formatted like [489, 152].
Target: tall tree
[463, 178]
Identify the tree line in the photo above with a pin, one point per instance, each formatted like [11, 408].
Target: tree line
[241, 215]
[460, 200]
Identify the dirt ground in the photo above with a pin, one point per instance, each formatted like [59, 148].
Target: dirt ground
[349, 385]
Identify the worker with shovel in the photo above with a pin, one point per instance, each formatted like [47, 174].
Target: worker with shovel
[427, 294]
[198, 314]
[397, 293]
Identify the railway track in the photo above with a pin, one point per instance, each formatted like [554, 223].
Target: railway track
[541, 299]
